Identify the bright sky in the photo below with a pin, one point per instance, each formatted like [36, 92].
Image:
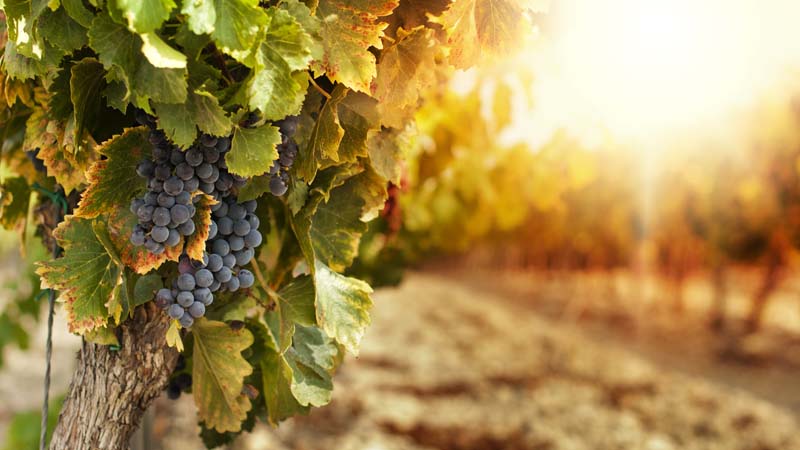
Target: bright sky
[648, 70]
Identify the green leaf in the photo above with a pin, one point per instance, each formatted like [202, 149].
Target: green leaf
[310, 23]
[145, 289]
[236, 25]
[319, 138]
[78, 12]
[253, 150]
[276, 87]
[15, 198]
[201, 108]
[120, 51]
[86, 276]
[113, 181]
[160, 54]
[348, 29]
[218, 373]
[295, 304]
[201, 15]
[143, 16]
[63, 31]
[86, 80]
[343, 305]
[358, 116]
[405, 71]
[312, 358]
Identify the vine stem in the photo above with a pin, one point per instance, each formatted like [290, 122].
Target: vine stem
[318, 88]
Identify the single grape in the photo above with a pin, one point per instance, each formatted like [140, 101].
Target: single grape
[220, 247]
[223, 275]
[241, 227]
[163, 298]
[175, 311]
[250, 206]
[151, 198]
[204, 170]
[192, 184]
[145, 213]
[186, 282]
[221, 211]
[223, 144]
[214, 262]
[246, 278]
[232, 284]
[236, 243]
[225, 226]
[159, 234]
[204, 278]
[253, 239]
[155, 186]
[277, 186]
[212, 230]
[161, 216]
[184, 198]
[138, 237]
[179, 214]
[225, 182]
[208, 140]
[243, 257]
[135, 204]
[187, 228]
[214, 287]
[286, 159]
[211, 155]
[207, 188]
[194, 157]
[197, 309]
[236, 211]
[186, 320]
[145, 169]
[173, 239]
[254, 221]
[185, 298]
[162, 172]
[202, 295]
[185, 266]
[184, 171]
[166, 200]
[229, 260]
[173, 185]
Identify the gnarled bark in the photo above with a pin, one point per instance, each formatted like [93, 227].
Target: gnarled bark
[111, 390]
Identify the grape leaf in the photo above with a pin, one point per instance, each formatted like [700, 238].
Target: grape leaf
[413, 13]
[160, 54]
[310, 23]
[233, 24]
[201, 108]
[196, 243]
[62, 31]
[14, 202]
[78, 12]
[313, 358]
[274, 87]
[480, 28]
[121, 222]
[405, 71]
[57, 150]
[387, 150]
[295, 304]
[174, 336]
[86, 276]
[318, 138]
[253, 150]
[86, 80]
[343, 305]
[143, 16]
[201, 15]
[348, 30]
[357, 116]
[101, 336]
[120, 52]
[113, 182]
[218, 373]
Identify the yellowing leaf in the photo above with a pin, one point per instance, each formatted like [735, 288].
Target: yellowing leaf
[405, 71]
[86, 276]
[143, 16]
[348, 29]
[196, 243]
[113, 182]
[174, 336]
[160, 54]
[218, 374]
[343, 305]
[319, 133]
[14, 202]
[480, 28]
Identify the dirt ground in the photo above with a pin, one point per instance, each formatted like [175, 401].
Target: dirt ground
[467, 360]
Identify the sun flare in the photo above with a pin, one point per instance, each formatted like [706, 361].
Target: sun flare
[647, 69]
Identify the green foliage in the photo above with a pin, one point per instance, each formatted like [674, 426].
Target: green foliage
[75, 73]
[24, 428]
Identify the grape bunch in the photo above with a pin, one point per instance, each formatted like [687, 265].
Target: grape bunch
[233, 237]
[287, 152]
[174, 176]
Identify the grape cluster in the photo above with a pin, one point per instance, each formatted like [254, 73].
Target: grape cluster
[174, 176]
[287, 152]
[233, 237]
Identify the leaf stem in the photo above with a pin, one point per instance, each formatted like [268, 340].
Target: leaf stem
[316, 86]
